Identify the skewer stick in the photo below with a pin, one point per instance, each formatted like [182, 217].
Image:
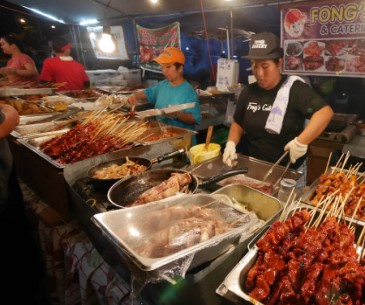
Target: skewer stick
[361, 243]
[338, 163]
[355, 211]
[361, 236]
[345, 161]
[313, 212]
[319, 219]
[328, 162]
[362, 249]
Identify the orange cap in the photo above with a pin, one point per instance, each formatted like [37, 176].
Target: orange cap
[170, 56]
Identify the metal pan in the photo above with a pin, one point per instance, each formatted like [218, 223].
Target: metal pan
[124, 192]
[141, 161]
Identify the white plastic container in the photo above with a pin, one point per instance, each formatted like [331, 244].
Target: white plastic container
[132, 76]
[227, 73]
[286, 187]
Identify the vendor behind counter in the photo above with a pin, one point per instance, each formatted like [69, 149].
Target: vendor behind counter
[173, 90]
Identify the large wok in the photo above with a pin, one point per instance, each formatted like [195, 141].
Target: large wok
[141, 161]
[124, 192]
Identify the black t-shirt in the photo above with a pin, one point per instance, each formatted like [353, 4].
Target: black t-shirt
[253, 108]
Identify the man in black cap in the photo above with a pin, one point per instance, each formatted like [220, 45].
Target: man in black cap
[270, 114]
[63, 69]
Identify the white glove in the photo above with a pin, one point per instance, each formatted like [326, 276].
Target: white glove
[296, 150]
[229, 154]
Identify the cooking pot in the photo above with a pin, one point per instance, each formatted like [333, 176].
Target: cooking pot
[140, 161]
[125, 191]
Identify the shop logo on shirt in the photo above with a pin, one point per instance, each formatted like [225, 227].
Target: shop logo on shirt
[256, 107]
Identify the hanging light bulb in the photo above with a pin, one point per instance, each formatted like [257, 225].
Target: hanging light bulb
[106, 43]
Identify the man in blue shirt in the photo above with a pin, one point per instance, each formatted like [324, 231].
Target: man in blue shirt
[174, 90]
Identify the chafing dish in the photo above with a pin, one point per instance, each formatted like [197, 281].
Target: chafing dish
[233, 287]
[118, 225]
[26, 119]
[310, 193]
[34, 144]
[256, 171]
[176, 134]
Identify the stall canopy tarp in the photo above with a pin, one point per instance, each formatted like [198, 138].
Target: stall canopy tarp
[74, 12]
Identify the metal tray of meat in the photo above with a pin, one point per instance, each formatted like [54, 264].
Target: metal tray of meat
[82, 95]
[140, 231]
[167, 133]
[352, 201]
[234, 287]
[34, 143]
[256, 170]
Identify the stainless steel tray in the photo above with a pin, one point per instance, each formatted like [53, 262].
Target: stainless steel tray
[76, 95]
[26, 119]
[33, 130]
[266, 207]
[311, 191]
[127, 230]
[34, 143]
[232, 287]
[180, 133]
[9, 91]
[256, 169]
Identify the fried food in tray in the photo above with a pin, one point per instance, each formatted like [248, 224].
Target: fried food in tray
[162, 133]
[27, 107]
[339, 183]
[117, 171]
[82, 94]
[306, 258]
[262, 186]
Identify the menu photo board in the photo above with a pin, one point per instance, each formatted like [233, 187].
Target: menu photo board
[324, 38]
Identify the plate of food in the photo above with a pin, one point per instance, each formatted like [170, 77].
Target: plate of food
[358, 48]
[293, 63]
[313, 48]
[336, 47]
[313, 62]
[335, 64]
[293, 48]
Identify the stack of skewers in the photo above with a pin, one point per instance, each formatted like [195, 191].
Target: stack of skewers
[310, 257]
[346, 184]
[101, 132]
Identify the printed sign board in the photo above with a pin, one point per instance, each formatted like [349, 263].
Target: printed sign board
[153, 41]
[324, 38]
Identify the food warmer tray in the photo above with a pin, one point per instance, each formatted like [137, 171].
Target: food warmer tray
[179, 133]
[34, 143]
[256, 169]
[32, 130]
[232, 288]
[311, 190]
[112, 223]
[30, 118]
[75, 94]
[9, 91]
